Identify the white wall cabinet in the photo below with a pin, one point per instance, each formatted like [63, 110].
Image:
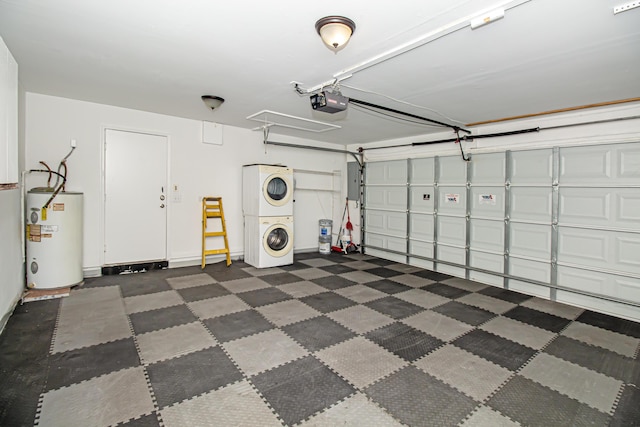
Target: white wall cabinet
[8, 116]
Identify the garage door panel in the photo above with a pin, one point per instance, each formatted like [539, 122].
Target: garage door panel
[488, 168]
[600, 207]
[386, 173]
[386, 255]
[452, 230]
[453, 170]
[487, 202]
[421, 227]
[536, 270]
[597, 304]
[452, 201]
[532, 167]
[393, 198]
[451, 254]
[530, 240]
[422, 198]
[531, 204]
[627, 208]
[486, 261]
[629, 163]
[422, 171]
[383, 222]
[424, 249]
[580, 165]
[487, 235]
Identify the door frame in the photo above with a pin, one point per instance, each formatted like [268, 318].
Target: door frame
[103, 183]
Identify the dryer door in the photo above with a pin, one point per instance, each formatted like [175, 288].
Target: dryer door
[277, 189]
[278, 240]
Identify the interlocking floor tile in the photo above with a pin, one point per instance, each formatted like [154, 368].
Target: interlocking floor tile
[403, 268]
[361, 264]
[519, 332]
[181, 378]
[445, 290]
[301, 388]
[596, 390]
[388, 286]
[532, 404]
[148, 420]
[273, 347]
[552, 307]
[153, 320]
[360, 361]
[245, 285]
[596, 358]
[220, 306]
[130, 289]
[78, 365]
[474, 376]
[311, 273]
[381, 262]
[628, 411]
[360, 276]
[264, 296]
[237, 325]
[327, 302]
[360, 293]
[432, 275]
[360, 319]
[437, 325]
[281, 278]
[467, 285]
[302, 289]
[235, 405]
[622, 344]
[297, 265]
[495, 349]
[224, 274]
[257, 272]
[504, 294]
[106, 400]
[465, 313]
[384, 272]
[154, 301]
[615, 324]
[182, 282]
[487, 417]
[318, 333]
[337, 269]
[418, 399]
[354, 411]
[286, 312]
[411, 280]
[484, 302]
[171, 342]
[394, 307]
[404, 341]
[537, 318]
[317, 262]
[333, 282]
[422, 298]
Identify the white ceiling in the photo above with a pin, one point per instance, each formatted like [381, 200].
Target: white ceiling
[162, 55]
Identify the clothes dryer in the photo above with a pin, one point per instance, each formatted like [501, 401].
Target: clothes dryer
[267, 190]
[268, 241]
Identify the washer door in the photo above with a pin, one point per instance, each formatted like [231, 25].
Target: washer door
[277, 240]
[277, 189]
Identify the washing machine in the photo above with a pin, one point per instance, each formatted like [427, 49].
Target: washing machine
[268, 240]
[267, 190]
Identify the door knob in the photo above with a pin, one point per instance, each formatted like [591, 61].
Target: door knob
[162, 197]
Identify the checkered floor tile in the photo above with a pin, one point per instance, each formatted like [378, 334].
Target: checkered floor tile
[328, 340]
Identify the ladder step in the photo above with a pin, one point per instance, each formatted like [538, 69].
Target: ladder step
[214, 215]
[216, 251]
[214, 233]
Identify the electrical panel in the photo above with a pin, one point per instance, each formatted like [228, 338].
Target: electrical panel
[353, 181]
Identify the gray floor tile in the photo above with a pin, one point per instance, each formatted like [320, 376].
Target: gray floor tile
[432, 275]
[281, 278]
[487, 417]
[360, 276]
[189, 281]
[445, 290]
[615, 324]
[412, 280]
[438, 325]
[153, 320]
[171, 342]
[360, 319]
[287, 312]
[628, 411]
[257, 272]
[465, 313]
[220, 306]
[394, 307]
[622, 344]
[538, 318]
[302, 289]
[245, 285]
[404, 341]
[418, 399]
[360, 293]
[317, 262]
[552, 307]
[311, 273]
[422, 298]
[484, 302]
[337, 269]
[333, 282]
[504, 294]
[467, 285]
[264, 296]
[318, 333]
[154, 301]
[130, 288]
[388, 286]
[327, 302]
[384, 272]
[237, 325]
[355, 411]
[519, 332]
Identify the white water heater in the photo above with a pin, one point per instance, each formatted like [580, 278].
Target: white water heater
[54, 239]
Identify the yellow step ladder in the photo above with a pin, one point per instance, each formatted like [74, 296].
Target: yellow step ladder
[212, 208]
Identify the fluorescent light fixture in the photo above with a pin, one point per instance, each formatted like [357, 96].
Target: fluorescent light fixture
[487, 18]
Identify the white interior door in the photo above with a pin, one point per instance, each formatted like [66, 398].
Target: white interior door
[135, 197]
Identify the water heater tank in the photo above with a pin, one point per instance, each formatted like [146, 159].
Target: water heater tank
[54, 239]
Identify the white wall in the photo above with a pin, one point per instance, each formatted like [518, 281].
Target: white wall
[197, 169]
[12, 277]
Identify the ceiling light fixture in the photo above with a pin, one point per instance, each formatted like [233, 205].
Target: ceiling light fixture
[335, 31]
[212, 102]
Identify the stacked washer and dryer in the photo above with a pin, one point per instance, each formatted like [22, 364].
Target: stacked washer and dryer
[267, 204]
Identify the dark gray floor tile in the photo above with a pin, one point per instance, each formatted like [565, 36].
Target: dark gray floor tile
[431, 275]
[387, 286]
[628, 410]
[280, 278]
[318, 333]
[150, 420]
[184, 377]
[495, 349]
[537, 318]
[404, 341]
[615, 324]
[162, 318]
[198, 293]
[337, 269]
[384, 272]
[465, 313]
[596, 358]
[139, 284]
[445, 290]
[301, 388]
[504, 294]
[224, 274]
[333, 282]
[381, 262]
[532, 404]
[85, 363]
[418, 399]
[293, 267]
[237, 325]
[327, 302]
[264, 296]
[394, 307]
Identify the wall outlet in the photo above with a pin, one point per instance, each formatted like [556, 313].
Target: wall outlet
[73, 143]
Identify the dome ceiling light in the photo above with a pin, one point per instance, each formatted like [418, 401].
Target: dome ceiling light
[335, 31]
[212, 102]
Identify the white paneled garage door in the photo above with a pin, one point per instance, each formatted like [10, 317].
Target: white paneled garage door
[561, 223]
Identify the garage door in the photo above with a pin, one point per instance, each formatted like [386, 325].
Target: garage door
[560, 223]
